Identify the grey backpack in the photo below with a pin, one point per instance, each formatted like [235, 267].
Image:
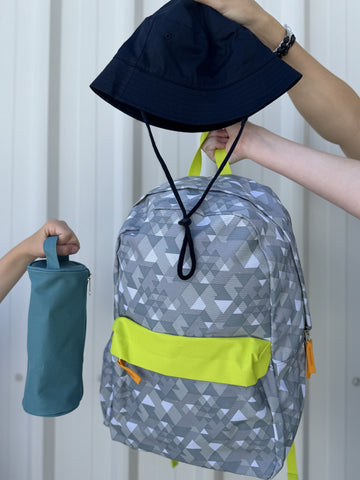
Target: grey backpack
[209, 368]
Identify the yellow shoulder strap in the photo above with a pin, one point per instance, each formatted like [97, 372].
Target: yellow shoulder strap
[291, 464]
[195, 168]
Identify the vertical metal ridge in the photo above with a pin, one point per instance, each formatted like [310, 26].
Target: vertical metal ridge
[53, 159]
[307, 241]
[133, 464]
[49, 449]
[53, 150]
[138, 128]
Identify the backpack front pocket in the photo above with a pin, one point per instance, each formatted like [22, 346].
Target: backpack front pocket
[207, 398]
[240, 361]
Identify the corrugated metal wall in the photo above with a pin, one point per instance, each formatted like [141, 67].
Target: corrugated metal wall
[66, 154]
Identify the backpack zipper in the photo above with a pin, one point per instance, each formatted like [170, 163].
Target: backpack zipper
[310, 362]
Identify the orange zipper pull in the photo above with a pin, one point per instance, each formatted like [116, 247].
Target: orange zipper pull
[310, 362]
[132, 374]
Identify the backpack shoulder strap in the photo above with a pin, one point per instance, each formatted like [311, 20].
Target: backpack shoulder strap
[195, 167]
[291, 464]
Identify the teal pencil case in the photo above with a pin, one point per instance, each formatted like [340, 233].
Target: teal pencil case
[56, 334]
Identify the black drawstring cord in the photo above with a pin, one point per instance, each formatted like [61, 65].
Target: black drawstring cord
[164, 166]
[186, 220]
[188, 242]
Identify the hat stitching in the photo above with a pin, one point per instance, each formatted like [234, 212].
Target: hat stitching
[138, 59]
[135, 66]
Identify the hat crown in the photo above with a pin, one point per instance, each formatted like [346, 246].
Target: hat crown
[192, 45]
[191, 69]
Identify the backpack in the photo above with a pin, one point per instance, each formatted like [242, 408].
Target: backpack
[209, 370]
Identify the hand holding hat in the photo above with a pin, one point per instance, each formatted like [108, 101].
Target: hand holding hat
[245, 12]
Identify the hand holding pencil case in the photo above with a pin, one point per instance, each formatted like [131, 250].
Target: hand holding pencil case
[56, 334]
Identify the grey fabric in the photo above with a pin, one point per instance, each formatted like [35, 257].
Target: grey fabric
[248, 282]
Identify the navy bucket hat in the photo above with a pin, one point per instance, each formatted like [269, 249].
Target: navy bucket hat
[188, 68]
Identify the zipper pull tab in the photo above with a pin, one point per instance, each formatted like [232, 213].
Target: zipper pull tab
[89, 284]
[310, 362]
[131, 372]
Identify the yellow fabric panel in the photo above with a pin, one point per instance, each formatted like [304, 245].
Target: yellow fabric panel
[236, 360]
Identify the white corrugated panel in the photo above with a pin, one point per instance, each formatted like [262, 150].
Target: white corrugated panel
[24, 36]
[331, 275]
[66, 153]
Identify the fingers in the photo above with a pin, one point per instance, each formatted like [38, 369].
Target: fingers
[68, 243]
[216, 140]
[224, 138]
[69, 249]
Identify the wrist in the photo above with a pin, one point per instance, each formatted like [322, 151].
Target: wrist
[264, 147]
[251, 141]
[267, 29]
[27, 250]
[247, 14]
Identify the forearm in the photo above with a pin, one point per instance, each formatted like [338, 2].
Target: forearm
[12, 267]
[334, 178]
[330, 106]
[13, 264]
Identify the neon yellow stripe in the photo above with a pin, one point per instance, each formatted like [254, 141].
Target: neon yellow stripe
[291, 464]
[236, 360]
[195, 168]
[220, 155]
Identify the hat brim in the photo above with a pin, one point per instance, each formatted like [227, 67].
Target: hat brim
[167, 104]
